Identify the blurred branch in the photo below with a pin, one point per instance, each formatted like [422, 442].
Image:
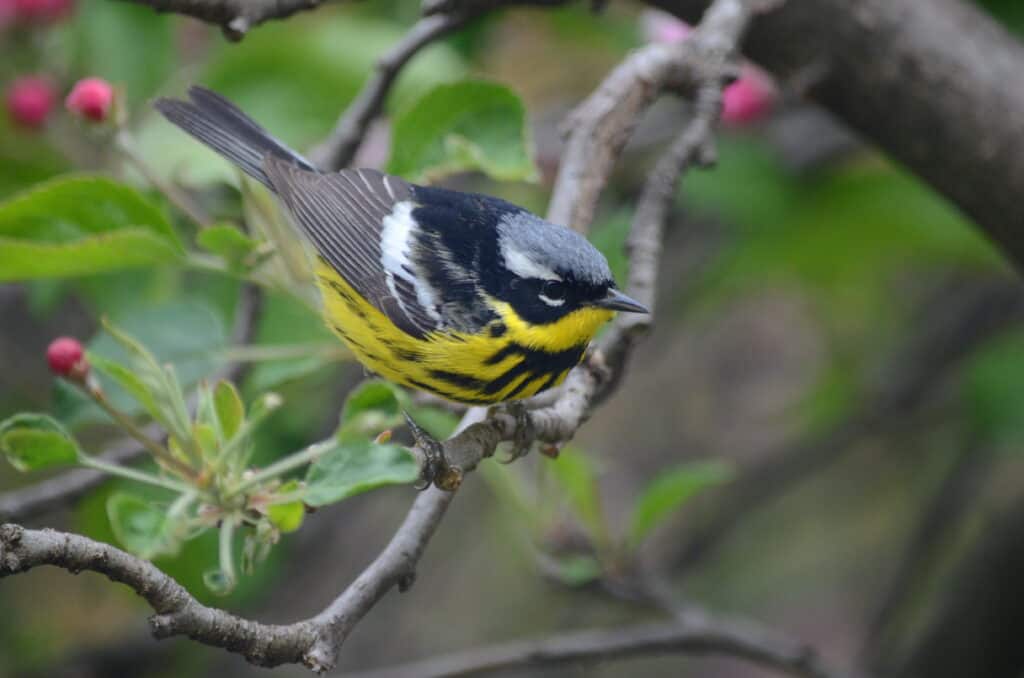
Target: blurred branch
[440, 18]
[952, 328]
[938, 85]
[235, 17]
[18, 505]
[693, 634]
[941, 518]
[600, 126]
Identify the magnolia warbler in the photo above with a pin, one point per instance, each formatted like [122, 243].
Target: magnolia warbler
[462, 295]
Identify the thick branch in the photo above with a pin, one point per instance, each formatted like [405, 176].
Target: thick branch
[235, 17]
[693, 636]
[938, 85]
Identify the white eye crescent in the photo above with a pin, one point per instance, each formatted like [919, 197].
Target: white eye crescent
[552, 293]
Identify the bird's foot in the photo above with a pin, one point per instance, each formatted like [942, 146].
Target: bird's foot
[522, 438]
[435, 469]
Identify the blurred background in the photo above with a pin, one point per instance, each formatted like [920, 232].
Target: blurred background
[836, 348]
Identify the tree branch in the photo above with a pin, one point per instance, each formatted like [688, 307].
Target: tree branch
[235, 17]
[693, 635]
[938, 85]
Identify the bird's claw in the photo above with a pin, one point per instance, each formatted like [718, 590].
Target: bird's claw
[435, 469]
[522, 439]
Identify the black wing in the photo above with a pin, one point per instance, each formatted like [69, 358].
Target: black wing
[343, 216]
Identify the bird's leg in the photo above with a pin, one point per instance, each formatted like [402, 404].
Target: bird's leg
[522, 439]
[435, 469]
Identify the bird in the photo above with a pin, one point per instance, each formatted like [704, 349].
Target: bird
[462, 295]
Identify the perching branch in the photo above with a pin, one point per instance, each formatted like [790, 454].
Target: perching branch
[235, 17]
[691, 635]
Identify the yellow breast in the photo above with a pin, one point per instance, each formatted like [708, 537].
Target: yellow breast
[510, 359]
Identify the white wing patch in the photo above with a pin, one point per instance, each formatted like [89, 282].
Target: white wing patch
[396, 241]
[522, 265]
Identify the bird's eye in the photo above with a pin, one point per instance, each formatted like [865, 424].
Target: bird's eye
[552, 293]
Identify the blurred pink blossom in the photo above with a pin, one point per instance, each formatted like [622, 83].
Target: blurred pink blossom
[30, 100]
[749, 99]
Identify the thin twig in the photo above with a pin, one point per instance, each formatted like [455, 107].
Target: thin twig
[235, 17]
[338, 150]
[694, 635]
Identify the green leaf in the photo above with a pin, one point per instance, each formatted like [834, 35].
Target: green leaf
[579, 570]
[373, 406]
[36, 441]
[670, 490]
[229, 408]
[81, 225]
[357, 465]
[129, 381]
[463, 126]
[308, 53]
[140, 526]
[228, 242]
[575, 472]
[287, 517]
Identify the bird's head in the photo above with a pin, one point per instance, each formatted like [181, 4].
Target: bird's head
[551, 272]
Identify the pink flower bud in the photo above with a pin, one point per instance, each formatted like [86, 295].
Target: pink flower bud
[91, 98]
[749, 99]
[42, 11]
[661, 26]
[67, 358]
[30, 100]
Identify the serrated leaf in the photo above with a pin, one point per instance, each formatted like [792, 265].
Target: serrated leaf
[140, 526]
[73, 226]
[670, 491]
[355, 466]
[227, 403]
[35, 441]
[457, 127]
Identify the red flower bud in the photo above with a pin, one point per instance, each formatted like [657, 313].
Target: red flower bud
[42, 11]
[30, 100]
[67, 358]
[749, 99]
[91, 98]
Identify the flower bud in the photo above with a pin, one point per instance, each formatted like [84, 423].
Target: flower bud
[41, 11]
[91, 98]
[67, 358]
[749, 99]
[30, 100]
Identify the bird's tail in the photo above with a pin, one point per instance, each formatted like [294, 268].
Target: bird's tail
[219, 124]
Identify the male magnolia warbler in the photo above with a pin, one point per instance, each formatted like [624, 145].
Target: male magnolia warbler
[462, 295]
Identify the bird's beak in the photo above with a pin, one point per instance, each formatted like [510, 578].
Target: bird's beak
[617, 301]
